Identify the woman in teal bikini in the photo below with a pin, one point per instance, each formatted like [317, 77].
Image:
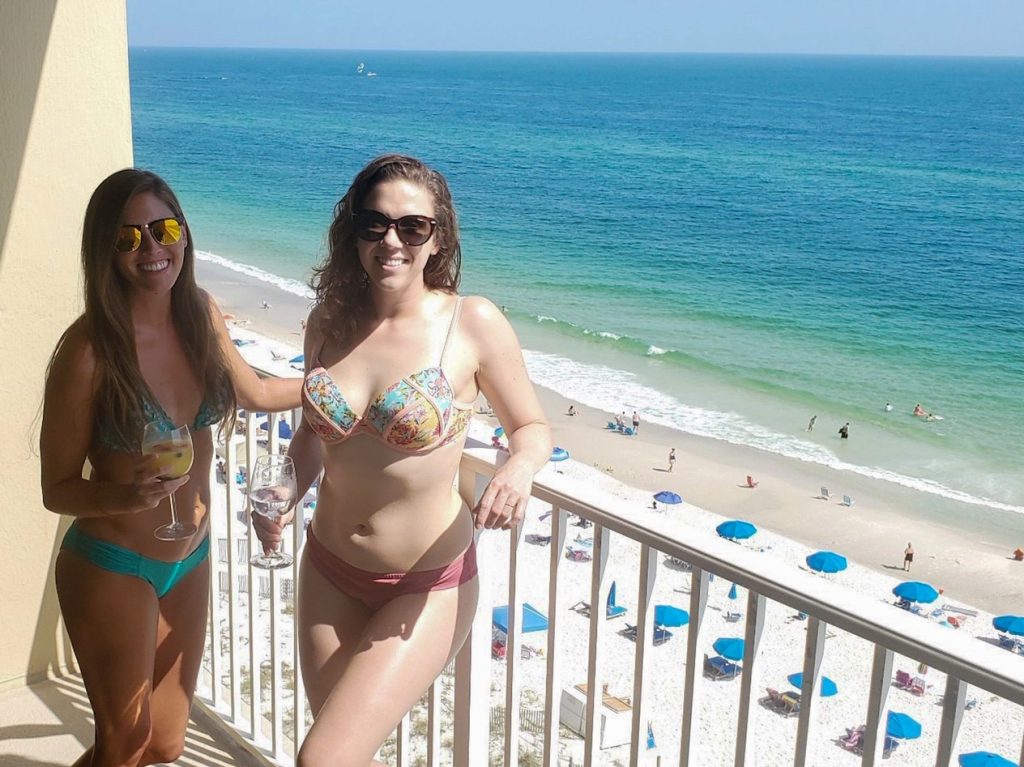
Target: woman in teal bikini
[149, 347]
[395, 359]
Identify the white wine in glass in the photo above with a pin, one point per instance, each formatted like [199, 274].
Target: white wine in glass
[173, 451]
[272, 493]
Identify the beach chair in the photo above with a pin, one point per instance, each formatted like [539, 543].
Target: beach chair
[1007, 642]
[903, 680]
[612, 609]
[661, 634]
[774, 701]
[918, 686]
[790, 703]
[751, 482]
[718, 667]
[847, 501]
[538, 540]
[824, 494]
[903, 604]
[733, 617]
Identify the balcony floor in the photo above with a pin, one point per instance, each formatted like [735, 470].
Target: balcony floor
[49, 725]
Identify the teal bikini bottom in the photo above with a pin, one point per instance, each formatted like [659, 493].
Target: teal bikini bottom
[162, 576]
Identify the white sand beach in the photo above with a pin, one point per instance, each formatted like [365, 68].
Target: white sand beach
[793, 522]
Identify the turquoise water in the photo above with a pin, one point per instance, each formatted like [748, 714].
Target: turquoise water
[730, 244]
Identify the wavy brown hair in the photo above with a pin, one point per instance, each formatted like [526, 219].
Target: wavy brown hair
[107, 317]
[341, 284]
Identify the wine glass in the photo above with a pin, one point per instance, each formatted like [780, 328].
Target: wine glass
[272, 493]
[173, 450]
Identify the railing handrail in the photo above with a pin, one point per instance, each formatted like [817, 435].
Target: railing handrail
[965, 657]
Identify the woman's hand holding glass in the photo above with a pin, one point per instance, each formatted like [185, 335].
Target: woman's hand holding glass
[272, 495]
[172, 451]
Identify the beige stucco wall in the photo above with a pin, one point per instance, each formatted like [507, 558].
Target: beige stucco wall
[65, 124]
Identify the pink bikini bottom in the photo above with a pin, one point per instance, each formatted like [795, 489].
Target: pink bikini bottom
[377, 589]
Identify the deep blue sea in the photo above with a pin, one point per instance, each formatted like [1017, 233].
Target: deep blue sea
[730, 244]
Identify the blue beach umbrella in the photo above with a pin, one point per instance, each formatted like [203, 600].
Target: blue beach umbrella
[1011, 624]
[736, 529]
[298, 360]
[915, 591]
[729, 647]
[828, 687]
[984, 759]
[559, 454]
[667, 496]
[499, 432]
[826, 562]
[902, 726]
[670, 616]
[732, 592]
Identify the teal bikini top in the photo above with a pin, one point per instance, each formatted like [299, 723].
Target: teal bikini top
[209, 414]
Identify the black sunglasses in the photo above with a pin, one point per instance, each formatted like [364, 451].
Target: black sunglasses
[372, 226]
[165, 231]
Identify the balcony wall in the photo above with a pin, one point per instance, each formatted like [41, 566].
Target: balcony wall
[65, 124]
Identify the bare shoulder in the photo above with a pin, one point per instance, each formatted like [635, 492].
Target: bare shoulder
[480, 315]
[74, 353]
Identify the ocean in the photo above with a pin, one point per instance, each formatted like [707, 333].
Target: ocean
[728, 244]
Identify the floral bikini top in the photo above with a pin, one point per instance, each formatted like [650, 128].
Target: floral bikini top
[414, 415]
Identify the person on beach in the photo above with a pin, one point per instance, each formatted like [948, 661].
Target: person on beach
[908, 557]
[571, 411]
[844, 431]
[151, 346]
[888, 407]
[671, 459]
[395, 358]
[810, 424]
[636, 422]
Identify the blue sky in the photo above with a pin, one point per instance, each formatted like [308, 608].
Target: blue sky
[913, 27]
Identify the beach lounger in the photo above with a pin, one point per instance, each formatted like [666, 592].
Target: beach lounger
[612, 608]
[918, 686]
[538, 540]
[661, 634]
[824, 495]
[903, 680]
[733, 617]
[962, 610]
[847, 500]
[1008, 642]
[774, 701]
[718, 667]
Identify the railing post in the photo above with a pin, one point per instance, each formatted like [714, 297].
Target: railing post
[595, 669]
[745, 747]
[645, 592]
[513, 641]
[472, 664]
[874, 730]
[553, 688]
[814, 648]
[699, 584]
[952, 712]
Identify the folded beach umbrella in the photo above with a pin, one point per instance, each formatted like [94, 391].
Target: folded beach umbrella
[736, 529]
[984, 759]
[499, 432]
[1011, 624]
[729, 647]
[667, 496]
[670, 616]
[826, 562]
[559, 454]
[828, 687]
[915, 591]
[732, 592]
[902, 726]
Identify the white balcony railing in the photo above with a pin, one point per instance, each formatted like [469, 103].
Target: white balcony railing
[458, 723]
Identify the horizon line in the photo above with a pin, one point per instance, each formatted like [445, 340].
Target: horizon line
[832, 54]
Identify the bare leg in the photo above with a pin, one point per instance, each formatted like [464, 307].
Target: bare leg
[111, 617]
[364, 670]
[160, 661]
[181, 632]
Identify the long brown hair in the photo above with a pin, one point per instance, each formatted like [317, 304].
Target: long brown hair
[107, 318]
[341, 284]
